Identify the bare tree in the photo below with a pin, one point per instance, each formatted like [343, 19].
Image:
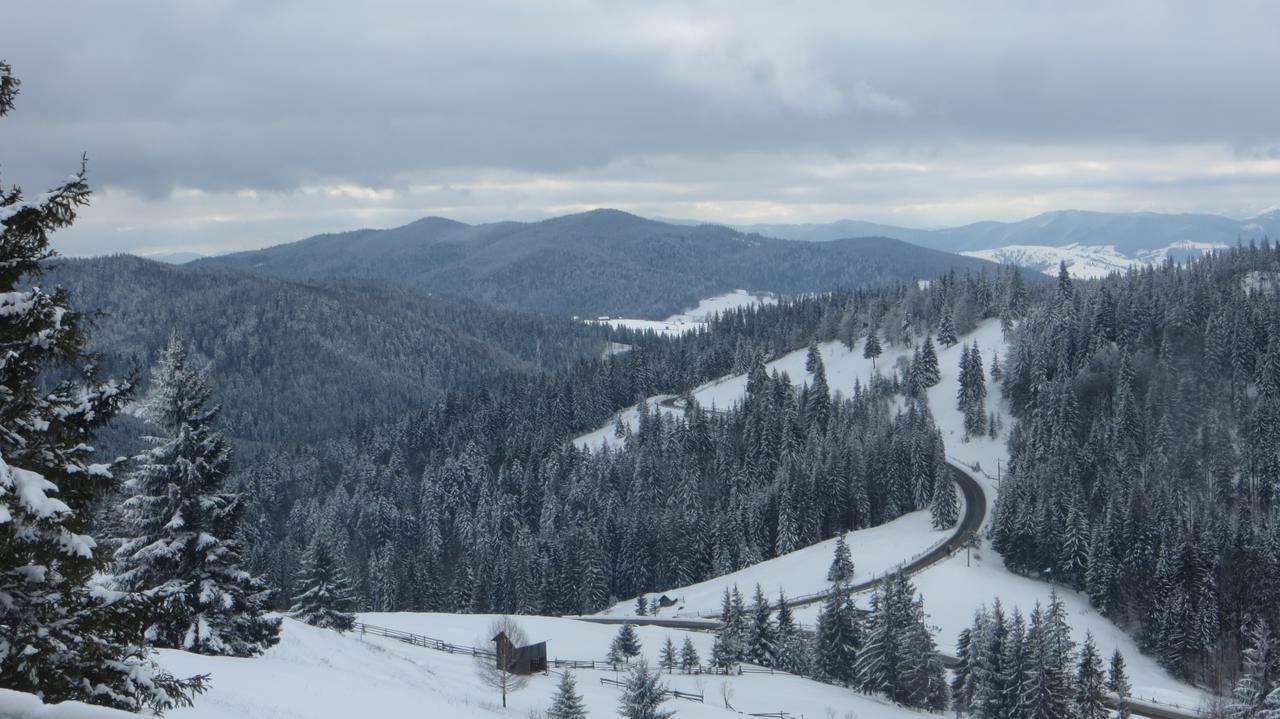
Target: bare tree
[500, 671]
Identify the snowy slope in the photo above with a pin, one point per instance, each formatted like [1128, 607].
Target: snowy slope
[876, 552]
[696, 318]
[319, 674]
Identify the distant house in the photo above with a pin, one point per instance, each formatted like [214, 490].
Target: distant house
[664, 601]
[529, 659]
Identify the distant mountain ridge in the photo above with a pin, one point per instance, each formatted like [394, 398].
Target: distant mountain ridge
[1092, 243]
[602, 262]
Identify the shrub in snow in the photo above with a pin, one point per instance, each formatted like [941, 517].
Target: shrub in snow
[325, 597]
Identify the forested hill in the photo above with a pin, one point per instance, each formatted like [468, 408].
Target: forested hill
[295, 362]
[602, 262]
[430, 509]
[1146, 460]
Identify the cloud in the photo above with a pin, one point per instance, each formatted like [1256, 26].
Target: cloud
[342, 107]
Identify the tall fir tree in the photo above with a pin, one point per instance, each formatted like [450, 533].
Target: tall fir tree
[762, 639]
[838, 638]
[1090, 683]
[324, 598]
[182, 527]
[944, 510]
[60, 637]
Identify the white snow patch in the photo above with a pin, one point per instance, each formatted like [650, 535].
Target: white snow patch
[1088, 261]
[694, 319]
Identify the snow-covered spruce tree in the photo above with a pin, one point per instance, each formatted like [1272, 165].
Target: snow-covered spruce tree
[945, 508]
[838, 638]
[667, 658]
[871, 349]
[642, 698]
[841, 569]
[1261, 675]
[60, 638]
[689, 659]
[1090, 682]
[929, 372]
[182, 546]
[762, 635]
[626, 644]
[1117, 677]
[567, 703]
[947, 329]
[324, 599]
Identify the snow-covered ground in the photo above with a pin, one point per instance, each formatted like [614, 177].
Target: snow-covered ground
[320, 674]
[696, 318]
[1088, 261]
[876, 552]
[607, 434]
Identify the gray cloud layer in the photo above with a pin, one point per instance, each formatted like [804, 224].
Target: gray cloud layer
[222, 124]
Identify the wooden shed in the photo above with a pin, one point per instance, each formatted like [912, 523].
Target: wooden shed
[529, 659]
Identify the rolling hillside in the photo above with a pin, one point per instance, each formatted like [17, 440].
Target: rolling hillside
[602, 262]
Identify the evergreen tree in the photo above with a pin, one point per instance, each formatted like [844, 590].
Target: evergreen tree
[946, 329]
[60, 638]
[567, 703]
[689, 659]
[762, 640]
[1090, 683]
[1117, 678]
[929, 371]
[642, 698]
[642, 606]
[838, 638]
[945, 507]
[871, 349]
[182, 547]
[841, 570]
[325, 598]
[667, 659]
[626, 644]
[1261, 675]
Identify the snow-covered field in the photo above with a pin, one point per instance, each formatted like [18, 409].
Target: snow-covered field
[1087, 261]
[696, 318]
[319, 674]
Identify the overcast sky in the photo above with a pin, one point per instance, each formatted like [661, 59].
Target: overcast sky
[221, 125]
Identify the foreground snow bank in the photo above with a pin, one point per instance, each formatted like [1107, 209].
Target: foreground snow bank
[17, 705]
